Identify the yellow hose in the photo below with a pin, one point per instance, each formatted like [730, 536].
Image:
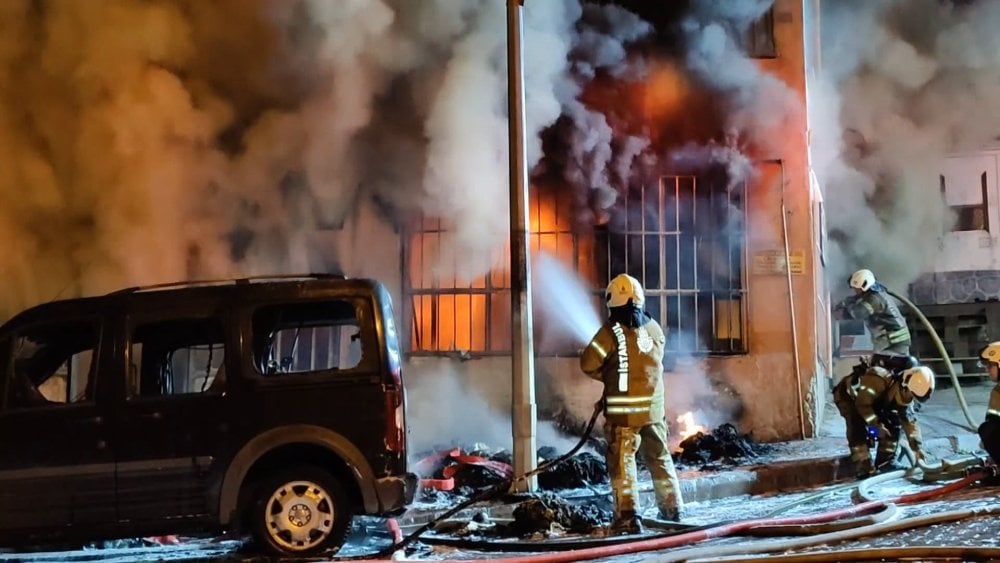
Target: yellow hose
[973, 426]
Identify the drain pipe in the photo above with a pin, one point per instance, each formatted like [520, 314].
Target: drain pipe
[791, 306]
[973, 426]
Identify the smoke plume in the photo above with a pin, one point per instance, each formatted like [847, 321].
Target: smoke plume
[903, 85]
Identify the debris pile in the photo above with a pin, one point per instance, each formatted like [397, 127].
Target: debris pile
[582, 470]
[456, 472]
[725, 445]
[548, 514]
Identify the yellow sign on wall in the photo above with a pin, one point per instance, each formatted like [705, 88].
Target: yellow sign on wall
[773, 262]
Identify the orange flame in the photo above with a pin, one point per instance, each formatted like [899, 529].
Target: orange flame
[687, 426]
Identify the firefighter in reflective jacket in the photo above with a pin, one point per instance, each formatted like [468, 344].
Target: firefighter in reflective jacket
[989, 430]
[884, 401]
[871, 303]
[626, 355]
[891, 339]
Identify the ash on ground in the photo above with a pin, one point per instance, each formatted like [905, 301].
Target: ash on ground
[723, 446]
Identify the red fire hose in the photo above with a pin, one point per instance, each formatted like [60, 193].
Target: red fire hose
[737, 527]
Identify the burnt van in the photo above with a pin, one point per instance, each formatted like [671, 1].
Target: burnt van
[273, 406]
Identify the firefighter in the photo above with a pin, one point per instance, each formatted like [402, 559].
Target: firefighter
[884, 402]
[871, 303]
[626, 355]
[989, 430]
[891, 340]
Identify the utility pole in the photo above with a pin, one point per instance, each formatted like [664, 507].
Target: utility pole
[523, 410]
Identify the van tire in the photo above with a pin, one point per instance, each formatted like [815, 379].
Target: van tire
[300, 511]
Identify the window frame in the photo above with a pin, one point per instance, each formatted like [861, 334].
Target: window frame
[659, 287]
[133, 321]
[92, 377]
[369, 363]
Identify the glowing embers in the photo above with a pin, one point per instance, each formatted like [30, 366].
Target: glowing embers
[686, 425]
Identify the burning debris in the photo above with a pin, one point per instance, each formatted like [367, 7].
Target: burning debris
[724, 444]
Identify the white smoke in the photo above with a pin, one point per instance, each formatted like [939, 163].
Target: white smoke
[887, 110]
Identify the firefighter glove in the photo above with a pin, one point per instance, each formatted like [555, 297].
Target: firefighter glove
[872, 432]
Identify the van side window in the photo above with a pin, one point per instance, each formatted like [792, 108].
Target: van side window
[306, 337]
[176, 357]
[53, 364]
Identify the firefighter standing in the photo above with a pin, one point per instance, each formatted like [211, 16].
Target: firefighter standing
[989, 430]
[884, 400]
[871, 303]
[890, 336]
[626, 355]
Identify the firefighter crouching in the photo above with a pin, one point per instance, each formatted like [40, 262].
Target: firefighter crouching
[884, 402]
[890, 336]
[626, 355]
[989, 430]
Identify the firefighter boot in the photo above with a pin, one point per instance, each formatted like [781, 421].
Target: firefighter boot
[671, 514]
[626, 524]
[862, 460]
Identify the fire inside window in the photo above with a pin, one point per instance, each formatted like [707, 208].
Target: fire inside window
[449, 314]
[684, 239]
[972, 214]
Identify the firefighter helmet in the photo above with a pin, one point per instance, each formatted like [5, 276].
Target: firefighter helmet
[920, 381]
[991, 353]
[623, 288]
[862, 279]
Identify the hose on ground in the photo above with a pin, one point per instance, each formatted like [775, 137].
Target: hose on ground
[716, 553]
[809, 498]
[973, 426]
[736, 528]
[924, 553]
[486, 494]
[889, 512]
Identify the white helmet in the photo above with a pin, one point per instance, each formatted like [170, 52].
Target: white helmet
[991, 353]
[920, 382]
[623, 288]
[862, 279]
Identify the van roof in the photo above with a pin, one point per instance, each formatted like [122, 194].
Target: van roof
[275, 287]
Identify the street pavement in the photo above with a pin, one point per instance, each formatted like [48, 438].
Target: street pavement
[793, 471]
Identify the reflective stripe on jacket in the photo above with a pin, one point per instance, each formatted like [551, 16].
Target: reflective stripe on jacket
[629, 361]
[881, 394]
[880, 313]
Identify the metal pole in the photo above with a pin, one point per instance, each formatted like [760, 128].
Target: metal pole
[523, 415]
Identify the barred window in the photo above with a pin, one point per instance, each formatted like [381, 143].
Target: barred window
[448, 314]
[683, 238]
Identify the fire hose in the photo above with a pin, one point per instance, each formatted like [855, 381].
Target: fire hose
[944, 354]
[486, 494]
[880, 525]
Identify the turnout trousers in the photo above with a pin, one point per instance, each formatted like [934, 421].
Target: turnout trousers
[650, 441]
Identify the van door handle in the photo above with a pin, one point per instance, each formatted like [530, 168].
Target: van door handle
[93, 420]
[152, 415]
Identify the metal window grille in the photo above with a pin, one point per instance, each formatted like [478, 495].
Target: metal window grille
[683, 238]
[448, 314]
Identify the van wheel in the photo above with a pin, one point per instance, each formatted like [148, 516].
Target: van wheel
[300, 511]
